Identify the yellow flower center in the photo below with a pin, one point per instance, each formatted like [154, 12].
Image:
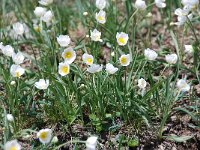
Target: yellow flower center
[37, 29]
[17, 74]
[13, 148]
[65, 69]
[68, 55]
[43, 135]
[123, 60]
[121, 40]
[100, 18]
[89, 61]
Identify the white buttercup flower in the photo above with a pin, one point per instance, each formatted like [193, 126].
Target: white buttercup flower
[101, 17]
[183, 19]
[189, 48]
[95, 35]
[183, 15]
[122, 38]
[47, 17]
[91, 143]
[171, 58]
[69, 55]
[18, 58]
[63, 69]
[63, 40]
[182, 85]
[12, 145]
[150, 54]
[160, 3]
[111, 69]
[94, 68]
[45, 135]
[192, 3]
[40, 11]
[42, 84]
[18, 28]
[140, 4]
[10, 117]
[88, 59]
[142, 83]
[125, 60]
[45, 2]
[101, 4]
[16, 71]
[8, 50]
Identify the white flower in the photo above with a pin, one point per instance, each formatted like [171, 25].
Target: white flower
[91, 143]
[95, 35]
[88, 59]
[182, 85]
[192, 3]
[94, 68]
[142, 83]
[101, 4]
[45, 2]
[122, 38]
[18, 58]
[125, 60]
[16, 71]
[18, 28]
[183, 19]
[12, 145]
[45, 135]
[111, 69]
[171, 58]
[40, 11]
[42, 84]
[10, 117]
[182, 15]
[101, 17]
[150, 54]
[63, 40]
[189, 49]
[160, 3]
[47, 17]
[69, 55]
[63, 69]
[140, 4]
[8, 50]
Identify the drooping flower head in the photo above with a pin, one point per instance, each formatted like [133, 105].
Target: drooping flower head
[111, 69]
[63, 40]
[150, 54]
[100, 4]
[18, 58]
[42, 84]
[94, 68]
[171, 58]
